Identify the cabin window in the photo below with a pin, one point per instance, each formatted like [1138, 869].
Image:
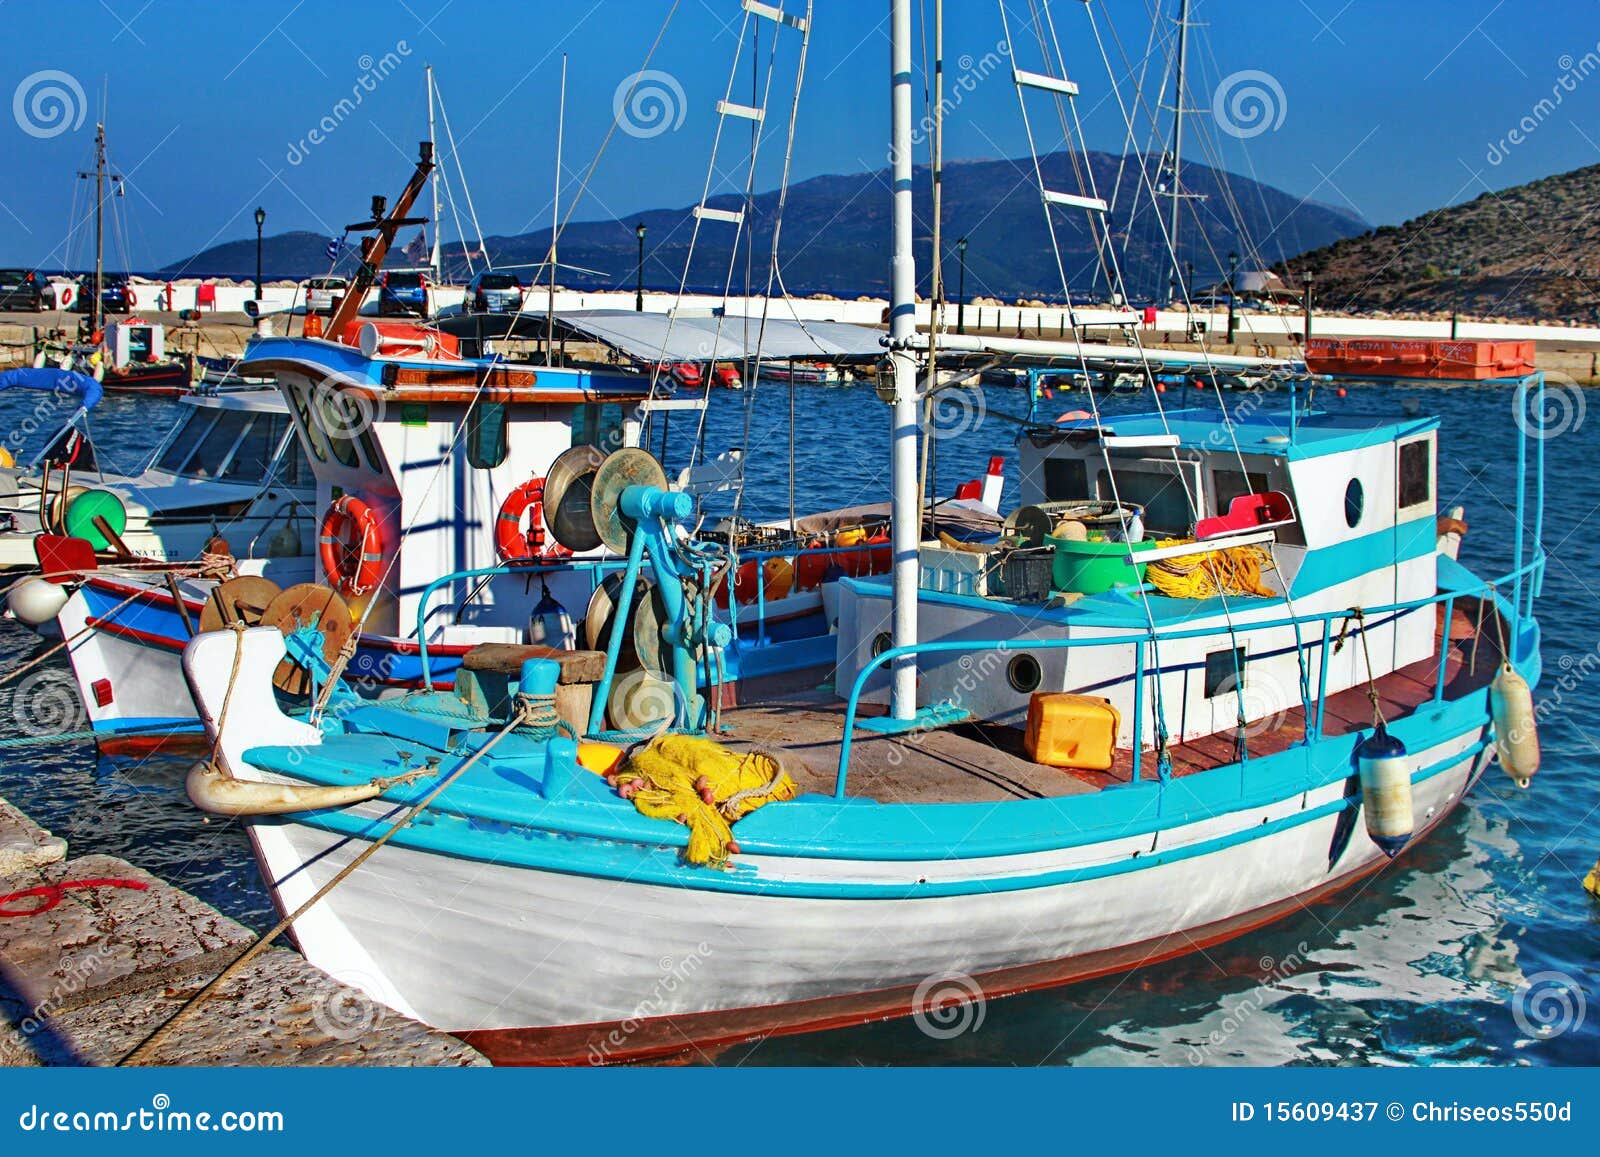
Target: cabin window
[182, 443]
[1416, 474]
[338, 419]
[1231, 484]
[598, 425]
[295, 468]
[1065, 480]
[302, 409]
[486, 435]
[1355, 501]
[1224, 672]
[257, 449]
[1161, 493]
[211, 457]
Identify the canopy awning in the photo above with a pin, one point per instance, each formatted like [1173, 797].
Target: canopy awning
[660, 337]
[80, 386]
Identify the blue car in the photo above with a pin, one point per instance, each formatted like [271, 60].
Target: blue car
[402, 294]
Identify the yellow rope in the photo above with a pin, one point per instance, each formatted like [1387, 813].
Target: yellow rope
[1234, 571]
[699, 783]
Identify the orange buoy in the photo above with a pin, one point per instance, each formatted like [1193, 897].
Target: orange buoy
[351, 546]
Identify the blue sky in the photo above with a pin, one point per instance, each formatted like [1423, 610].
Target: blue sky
[1388, 108]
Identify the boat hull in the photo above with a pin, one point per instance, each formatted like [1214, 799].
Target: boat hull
[541, 966]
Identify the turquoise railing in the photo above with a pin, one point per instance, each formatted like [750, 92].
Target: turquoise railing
[598, 567]
[1531, 571]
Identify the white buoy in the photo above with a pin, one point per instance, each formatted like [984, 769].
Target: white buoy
[36, 601]
[1386, 791]
[1516, 730]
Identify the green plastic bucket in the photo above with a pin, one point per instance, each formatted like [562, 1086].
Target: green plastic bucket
[1092, 567]
[81, 514]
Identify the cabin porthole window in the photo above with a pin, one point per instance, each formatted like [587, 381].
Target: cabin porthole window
[1024, 674]
[1355, 501]
[880, 643]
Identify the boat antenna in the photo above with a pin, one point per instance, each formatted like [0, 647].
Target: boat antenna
[907, 517]
[555, 221]
[383, 227]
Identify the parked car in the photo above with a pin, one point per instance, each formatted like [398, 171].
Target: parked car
[320, 293]
[116, 295]
[21, 289]
[491, 292]
[403, 294]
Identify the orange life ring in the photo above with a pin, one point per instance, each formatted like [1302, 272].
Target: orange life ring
[133, 302]
[516, 544]
[352, 562]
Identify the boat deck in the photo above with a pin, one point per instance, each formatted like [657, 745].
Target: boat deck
[984, 762]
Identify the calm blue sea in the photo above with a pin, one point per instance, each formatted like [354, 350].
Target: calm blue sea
[1456, 955]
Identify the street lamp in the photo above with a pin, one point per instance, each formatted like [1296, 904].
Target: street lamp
[261, 219]
[638, 295]
[961, 288]
[1233, 292]
[1307, 304]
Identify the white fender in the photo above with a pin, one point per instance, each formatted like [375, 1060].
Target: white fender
[213, 790]
[1516, 727]
[253, 718]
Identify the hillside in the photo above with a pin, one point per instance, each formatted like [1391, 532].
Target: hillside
[1527, 252]
[836, 235]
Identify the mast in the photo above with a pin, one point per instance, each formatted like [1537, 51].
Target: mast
[100, 176]
[1177, 141]
[555, 221]
[434, 266]
[383, 225]
[907, 525]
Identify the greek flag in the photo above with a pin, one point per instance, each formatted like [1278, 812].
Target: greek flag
[333, 249]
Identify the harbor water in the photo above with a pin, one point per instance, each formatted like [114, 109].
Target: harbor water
[1476, 947]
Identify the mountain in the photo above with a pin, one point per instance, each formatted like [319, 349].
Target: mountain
[836, 234]
[1532, 251]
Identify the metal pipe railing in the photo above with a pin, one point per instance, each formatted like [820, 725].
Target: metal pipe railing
[1150, 637]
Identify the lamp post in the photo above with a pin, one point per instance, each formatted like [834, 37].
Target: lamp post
[261, 219]
[1307, 304]
[1233, 292]
[961, 288]
[638, 294]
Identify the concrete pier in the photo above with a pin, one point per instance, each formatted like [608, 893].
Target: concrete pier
[96, 954]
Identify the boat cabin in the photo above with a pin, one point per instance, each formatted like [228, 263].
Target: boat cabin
[1189, 522]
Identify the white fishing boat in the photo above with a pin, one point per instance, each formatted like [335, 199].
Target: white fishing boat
[1223, 725]
[230, 467]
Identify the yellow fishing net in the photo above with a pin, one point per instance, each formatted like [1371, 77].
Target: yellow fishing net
[1234, 571]
[697, 782]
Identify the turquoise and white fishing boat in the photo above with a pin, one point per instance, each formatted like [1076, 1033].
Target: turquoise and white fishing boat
[1252, 666]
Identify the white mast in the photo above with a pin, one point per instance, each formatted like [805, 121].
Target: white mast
[907, 528]
[433, 254]
[1177, 144]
